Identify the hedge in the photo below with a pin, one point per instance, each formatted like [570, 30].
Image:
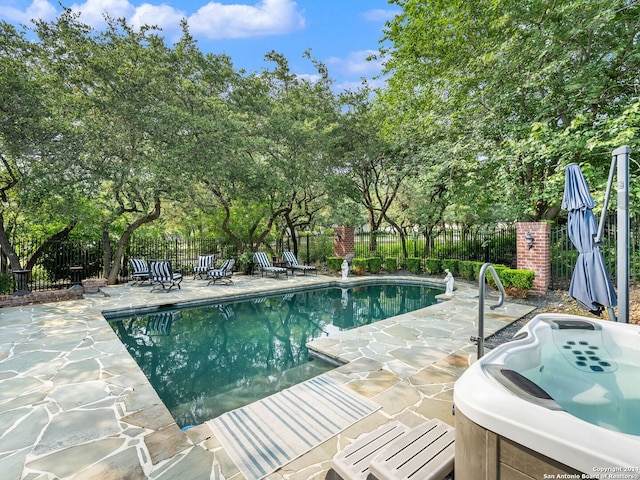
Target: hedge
[391, 264]
[413, 264]
[433, 266]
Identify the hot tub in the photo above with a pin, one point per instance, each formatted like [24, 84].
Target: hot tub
[562, 397]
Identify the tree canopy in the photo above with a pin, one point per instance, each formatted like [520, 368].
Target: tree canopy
[118, 131]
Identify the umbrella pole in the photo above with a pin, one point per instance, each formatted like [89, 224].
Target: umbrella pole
[621, 155]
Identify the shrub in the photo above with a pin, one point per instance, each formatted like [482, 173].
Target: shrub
[391, 264]
[477, 266]
[413, 264]
[360, 265]
[433, 266]
[334, 264]
[466, 269]
[6, 283]
[374, 264]
[450, 264]
[517, 278]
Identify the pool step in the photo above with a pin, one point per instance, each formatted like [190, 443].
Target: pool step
[392, 452]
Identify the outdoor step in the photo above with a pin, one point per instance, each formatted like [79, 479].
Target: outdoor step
[352, 463]
[425, 452]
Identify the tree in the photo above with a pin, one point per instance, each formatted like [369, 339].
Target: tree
[373, 169]
[38, 145]
[520, 85]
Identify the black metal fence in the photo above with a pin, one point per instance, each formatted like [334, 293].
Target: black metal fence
[55, 267]
[495, 245]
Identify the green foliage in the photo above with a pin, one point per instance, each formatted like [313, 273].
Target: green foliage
[522, 279]
[374, 264]
[360, 265]
[7, 283]
[244, 262]
[413, 264]
[466, 269]
[334, 264]
[433, 266]
[450, 264]
[391, 264]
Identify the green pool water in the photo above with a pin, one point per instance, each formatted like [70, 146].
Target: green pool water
[206, 360]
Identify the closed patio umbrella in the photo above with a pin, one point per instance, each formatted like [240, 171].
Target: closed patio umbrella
[590, 283]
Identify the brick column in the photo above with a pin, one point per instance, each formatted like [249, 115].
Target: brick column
[343, 241]
[537, 258]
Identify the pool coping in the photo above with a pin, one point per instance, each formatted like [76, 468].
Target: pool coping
[53, 354]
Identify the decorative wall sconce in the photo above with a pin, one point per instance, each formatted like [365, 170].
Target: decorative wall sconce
[529, 240]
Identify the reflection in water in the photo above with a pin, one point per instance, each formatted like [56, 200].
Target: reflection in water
[206, 360]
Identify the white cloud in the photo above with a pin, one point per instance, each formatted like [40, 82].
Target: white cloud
[267, 17]
[213, 20]
[38, 10]
[357, 64]
[380, 15]
[164, 16]
[93, 11]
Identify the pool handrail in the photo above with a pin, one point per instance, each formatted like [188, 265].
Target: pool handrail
[479, 340]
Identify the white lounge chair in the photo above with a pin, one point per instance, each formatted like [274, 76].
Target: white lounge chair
[139, 270]
[161, 274]
[292, 263]
[223, 273]
[205, 263]
[261, 259]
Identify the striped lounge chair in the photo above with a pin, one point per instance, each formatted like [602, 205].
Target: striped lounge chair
[292, 263]
[223, 273]
[161, 275]
[205, 263]
[139, 270]
[261, 259]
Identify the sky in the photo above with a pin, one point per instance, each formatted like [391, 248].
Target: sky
[339, 33]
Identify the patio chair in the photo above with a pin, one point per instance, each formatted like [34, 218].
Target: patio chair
[140, 270]
[261, 259]
[161, 274]
[205, 263]
[292, 263]
[223, 273]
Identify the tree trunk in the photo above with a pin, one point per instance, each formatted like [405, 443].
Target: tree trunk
[112, 277]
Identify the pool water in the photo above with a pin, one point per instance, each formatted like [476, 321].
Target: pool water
[206, 360]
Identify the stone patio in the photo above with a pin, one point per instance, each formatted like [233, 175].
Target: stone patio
[74, 404]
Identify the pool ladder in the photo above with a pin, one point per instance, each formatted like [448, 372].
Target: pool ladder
[479, 340]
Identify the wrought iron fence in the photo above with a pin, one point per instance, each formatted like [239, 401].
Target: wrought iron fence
[54, 269]
[470, 243]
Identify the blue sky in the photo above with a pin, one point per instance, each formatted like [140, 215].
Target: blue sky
[340, 33]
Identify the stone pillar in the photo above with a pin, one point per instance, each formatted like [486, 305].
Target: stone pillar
[538, 257]
[344, 241]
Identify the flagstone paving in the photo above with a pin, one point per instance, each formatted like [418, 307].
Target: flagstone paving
[75, 405]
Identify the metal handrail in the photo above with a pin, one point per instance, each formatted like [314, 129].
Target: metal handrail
[479, 340]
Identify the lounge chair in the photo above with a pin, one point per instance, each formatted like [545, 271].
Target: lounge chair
[205, 263]
[161, 274]
[292, 263]
[261, 259]
[223, 273]
[139, 270]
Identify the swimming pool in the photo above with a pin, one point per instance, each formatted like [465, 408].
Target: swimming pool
[209, 359]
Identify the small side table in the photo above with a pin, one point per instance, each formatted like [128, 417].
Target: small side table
[22, 279]
[76, 277]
